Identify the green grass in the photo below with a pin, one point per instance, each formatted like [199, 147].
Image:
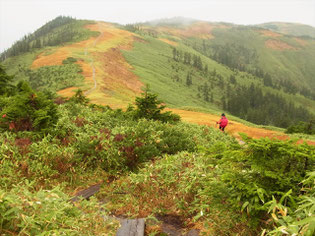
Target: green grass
[147, 168]
[295, 65]
[52, 78]
[290, 28]
[153, 64]
[55, 78]
[17, 65]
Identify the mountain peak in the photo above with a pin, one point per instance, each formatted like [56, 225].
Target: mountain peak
[177, 20]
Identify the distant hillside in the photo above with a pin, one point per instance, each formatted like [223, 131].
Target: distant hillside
[253, 73]
[57, 31]
[174, 21]
[290, 28]
[283, 61]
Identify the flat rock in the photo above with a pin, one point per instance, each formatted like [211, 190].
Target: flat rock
[130, 227]
[86, 193]
[193, 232]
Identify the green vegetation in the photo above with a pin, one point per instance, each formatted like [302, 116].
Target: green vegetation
[290, 29]
[149, 168]
[168, 76]
[213, 186]
[23, 109]
[150, 108]
[244, 48]
[55, 78]
[25, 211]
[185, 78]
[302, 127]
[251, 104]
[50, 78]
[5, 82]
[56, 32]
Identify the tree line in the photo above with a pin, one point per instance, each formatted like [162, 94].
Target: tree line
[60, 30]
[239, 57]
[247, 102]
[251, 104]
[188, 59]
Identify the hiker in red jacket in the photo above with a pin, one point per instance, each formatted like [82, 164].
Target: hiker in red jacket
[223, 122]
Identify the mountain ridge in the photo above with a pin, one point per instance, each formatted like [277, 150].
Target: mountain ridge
[127, 57]
[288, 28]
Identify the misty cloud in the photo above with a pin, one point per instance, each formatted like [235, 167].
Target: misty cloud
[19, 17]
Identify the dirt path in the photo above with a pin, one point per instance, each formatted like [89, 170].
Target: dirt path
[93, 76]
[234, 127]
[86, 52]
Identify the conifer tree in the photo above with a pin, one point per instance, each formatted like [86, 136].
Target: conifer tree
[5, 82]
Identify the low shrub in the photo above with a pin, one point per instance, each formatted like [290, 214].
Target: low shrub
[49, 212]
[149, 107]
[266, 168]
[27, 110]
[69, 60]
[186, 186]
[298, 219]
[302, 127]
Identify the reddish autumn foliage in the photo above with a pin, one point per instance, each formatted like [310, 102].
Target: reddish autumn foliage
[80, 121]
[119, 137]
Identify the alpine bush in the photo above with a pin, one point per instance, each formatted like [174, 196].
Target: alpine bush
[27, 110]
[266, 168]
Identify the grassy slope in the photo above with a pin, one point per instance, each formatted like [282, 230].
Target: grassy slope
[153, 64]
[25, 61]
[294, 64]
[290, 28]
[15, 65]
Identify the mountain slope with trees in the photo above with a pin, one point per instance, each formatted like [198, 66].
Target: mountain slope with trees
[256, 74]
[147, 162]
[58, 31]
[141, 158]
[290, 29]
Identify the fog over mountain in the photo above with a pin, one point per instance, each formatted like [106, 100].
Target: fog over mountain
[20, 17]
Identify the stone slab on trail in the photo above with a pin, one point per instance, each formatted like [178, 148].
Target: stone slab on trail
[130, 227]
[86, 193]
[172, 225]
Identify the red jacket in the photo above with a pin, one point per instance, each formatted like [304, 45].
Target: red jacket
[223, 122]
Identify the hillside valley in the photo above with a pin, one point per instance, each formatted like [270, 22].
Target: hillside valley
[216, 66]
[132, 110]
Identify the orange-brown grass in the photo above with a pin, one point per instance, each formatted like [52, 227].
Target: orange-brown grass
[233, 128]
[200, 29]
[64, 52]
[68, 92]
[60, 54]
[52, 59]
[87, 72]
[116, 85]
[278, 45]
[301, 41]
[170, 42]
[269, 33]
[118, 75]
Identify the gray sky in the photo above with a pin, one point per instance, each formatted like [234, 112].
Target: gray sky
[19, 17]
